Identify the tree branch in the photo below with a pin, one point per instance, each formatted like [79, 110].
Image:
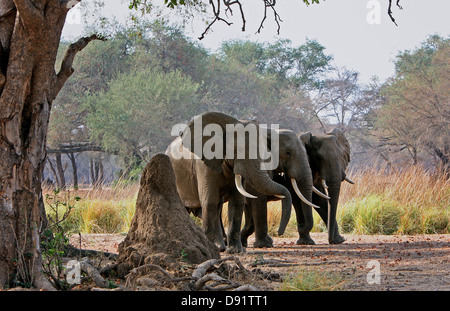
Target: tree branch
[217, 17]
[66, 69]
[390, 10]
[229, 3]
[75, 148]
[270, 4]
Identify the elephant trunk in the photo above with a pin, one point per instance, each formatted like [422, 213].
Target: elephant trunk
[261, 181]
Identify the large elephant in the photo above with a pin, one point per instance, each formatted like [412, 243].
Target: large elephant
[297, 176]
[329, 156]
[203, 181]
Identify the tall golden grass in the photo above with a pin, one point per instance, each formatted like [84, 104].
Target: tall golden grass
[410, 201]
[106, 210]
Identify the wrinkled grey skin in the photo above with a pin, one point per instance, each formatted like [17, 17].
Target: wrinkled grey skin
[329, 156]
[293, 162]
[203, 183]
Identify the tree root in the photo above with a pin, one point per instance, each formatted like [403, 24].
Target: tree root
[206, 276]
[87, 267]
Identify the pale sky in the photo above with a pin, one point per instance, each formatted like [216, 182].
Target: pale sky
[340, 25]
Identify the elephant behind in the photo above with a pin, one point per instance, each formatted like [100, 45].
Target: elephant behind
[297, 177]
[329, 156]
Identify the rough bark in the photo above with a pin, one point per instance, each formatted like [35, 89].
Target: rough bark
[30, 34]
[162, 232]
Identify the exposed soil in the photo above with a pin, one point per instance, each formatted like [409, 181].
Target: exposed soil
[419, 262]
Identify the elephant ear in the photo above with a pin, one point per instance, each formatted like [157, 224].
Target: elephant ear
[194, 140]
[305, 138]
[344, 146]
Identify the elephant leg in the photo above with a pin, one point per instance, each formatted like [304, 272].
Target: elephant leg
[249, 226]
[236, 204]
[259, 215]
[334, 238]
[212, 225]
[303, 228]
[305, 220]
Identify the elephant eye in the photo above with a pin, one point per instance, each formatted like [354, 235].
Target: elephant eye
[288, 153]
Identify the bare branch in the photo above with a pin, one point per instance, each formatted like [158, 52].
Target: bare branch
[390, 10]
[66, 69]
[73, 148]
[216, 12]
[229, 4]
[270, 4]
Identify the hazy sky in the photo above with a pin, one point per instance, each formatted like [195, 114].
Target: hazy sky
[341, 26]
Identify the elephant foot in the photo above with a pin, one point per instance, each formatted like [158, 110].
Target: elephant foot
[265, 242]
[221, 246]
[244, 242]
[235, 249]
[337, 240]
[305, 241]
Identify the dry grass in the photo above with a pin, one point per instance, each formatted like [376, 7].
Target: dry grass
[106, 210]
[304, 279]
[408, 202]
[411, 201]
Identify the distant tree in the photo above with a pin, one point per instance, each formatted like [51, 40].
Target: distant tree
[133, 118]
[416, 115]
[303, 66]
[244, 52]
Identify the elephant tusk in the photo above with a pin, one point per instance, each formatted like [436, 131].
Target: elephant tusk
[349, 180]
[300, 195]
[320, 193]
[238, 181]
[325, 187]
[280, 196]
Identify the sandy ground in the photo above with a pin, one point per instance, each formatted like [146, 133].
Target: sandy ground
[365, 262]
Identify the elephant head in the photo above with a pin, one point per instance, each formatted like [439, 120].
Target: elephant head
[230, 147]
[293, 171]
[293, 163]
[329, 156]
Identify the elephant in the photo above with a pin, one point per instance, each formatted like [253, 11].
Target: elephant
[203, 180]
[297, 177]
[329, 156]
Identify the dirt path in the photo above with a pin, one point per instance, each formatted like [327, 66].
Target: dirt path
[419, 262]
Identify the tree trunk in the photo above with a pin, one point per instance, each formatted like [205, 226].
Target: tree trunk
[96, 168]
[52, 168]
[74, 169]
[98, 174]
[30, 35]
[60, 171]
[91, 170]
